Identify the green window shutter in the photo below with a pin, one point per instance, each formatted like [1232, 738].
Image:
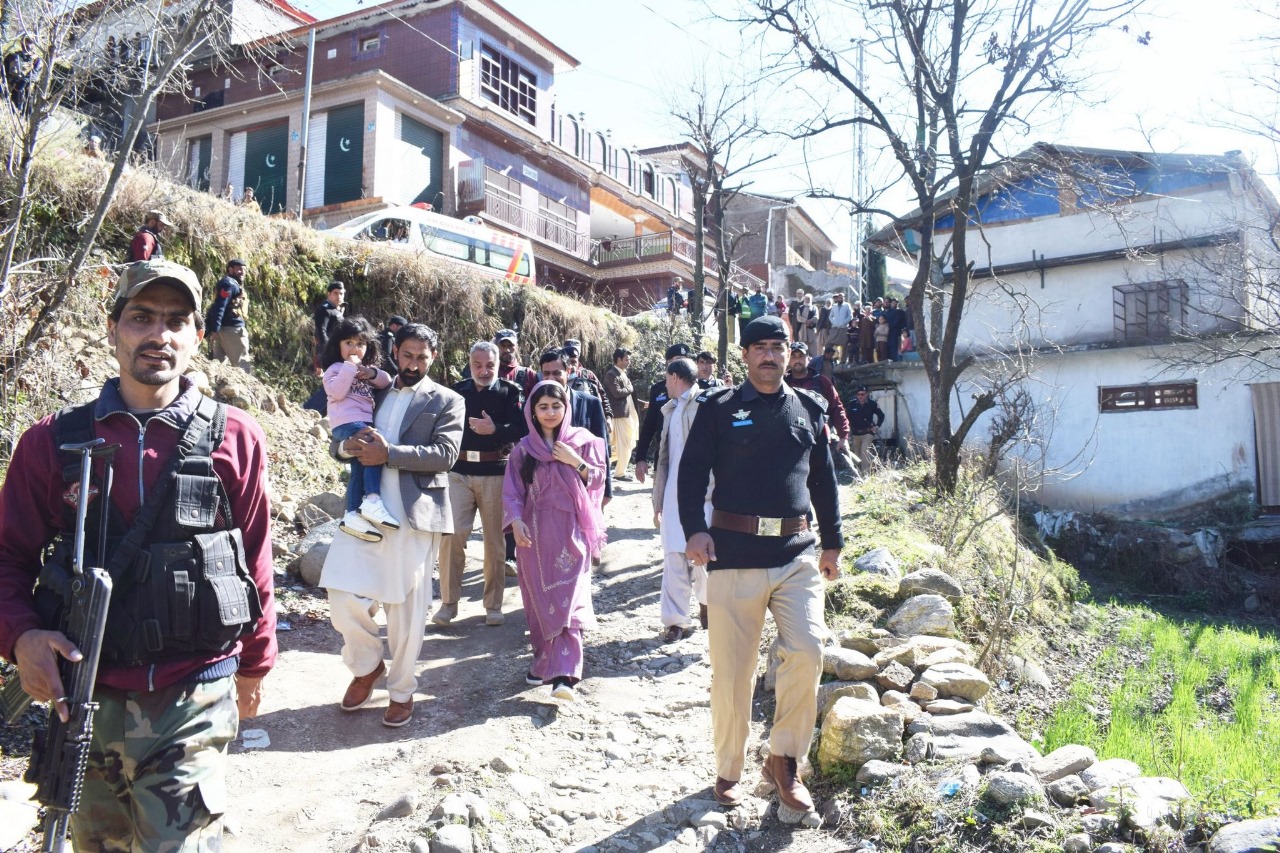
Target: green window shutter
[266, 166]
[344, 154]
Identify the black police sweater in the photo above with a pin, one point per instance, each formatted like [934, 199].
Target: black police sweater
[771, 458]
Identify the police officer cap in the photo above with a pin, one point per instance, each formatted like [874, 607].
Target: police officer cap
[504, 335]
[800, 346]
[572, 346]
[764, 329]
[678, 351]
[862, 389]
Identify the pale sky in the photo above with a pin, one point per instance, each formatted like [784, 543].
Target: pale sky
[1166, 95]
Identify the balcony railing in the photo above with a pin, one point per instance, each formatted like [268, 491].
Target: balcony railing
[475, 197]
[667, 244]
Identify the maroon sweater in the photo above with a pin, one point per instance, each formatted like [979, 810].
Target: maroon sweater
[31, 513]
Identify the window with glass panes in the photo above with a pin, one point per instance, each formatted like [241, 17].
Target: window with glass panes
[507, 84]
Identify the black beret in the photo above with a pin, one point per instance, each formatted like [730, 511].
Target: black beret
[764, 329]
[678, 351]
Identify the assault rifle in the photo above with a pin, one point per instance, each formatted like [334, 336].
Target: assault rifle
[60, 752]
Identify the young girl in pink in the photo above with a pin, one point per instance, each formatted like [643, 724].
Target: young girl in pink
[349, 380]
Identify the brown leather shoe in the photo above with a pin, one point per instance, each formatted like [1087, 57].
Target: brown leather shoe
[397, 714]
[727, 793]
[671, 634]
[781, 772]
[361, 688]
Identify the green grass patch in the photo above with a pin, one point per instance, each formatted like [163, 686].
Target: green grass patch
[1195, 701]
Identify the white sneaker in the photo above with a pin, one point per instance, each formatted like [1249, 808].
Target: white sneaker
[356, 526]
[372, 509]
[562, 690]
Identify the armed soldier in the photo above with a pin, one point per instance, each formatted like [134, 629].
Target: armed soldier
[190, 631]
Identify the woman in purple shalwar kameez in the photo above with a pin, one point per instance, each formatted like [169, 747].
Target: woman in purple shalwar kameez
[551, 502]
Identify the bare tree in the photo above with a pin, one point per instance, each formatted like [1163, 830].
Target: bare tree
[91, 47]
[721, 125]
[962, 75]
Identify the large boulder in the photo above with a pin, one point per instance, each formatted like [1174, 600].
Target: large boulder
[1147, 801]
[964, 736]
[1109, 773]
[331, 504]
[830, 691]
[878, 561]
[923, 614]
[914, 650]
[957, 679]
[313, 549]
[855, 732]
[1063, 761]
[1247, 836]
[1007, 788]
[933, 581]
[847, 664]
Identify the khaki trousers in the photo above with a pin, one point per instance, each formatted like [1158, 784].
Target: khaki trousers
[233, 345]
[737, 600]
[863, 447]
[352, 617]
[622, 440]
[467, 494]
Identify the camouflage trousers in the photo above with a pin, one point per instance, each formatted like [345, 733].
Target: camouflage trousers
[156, 779]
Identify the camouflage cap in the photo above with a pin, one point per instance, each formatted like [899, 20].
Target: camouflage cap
[136, 278]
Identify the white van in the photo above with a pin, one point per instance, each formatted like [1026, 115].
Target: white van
[464, 241]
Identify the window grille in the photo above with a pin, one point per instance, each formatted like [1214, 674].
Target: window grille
[505, 83]
[1150, 311]
[1145, 398]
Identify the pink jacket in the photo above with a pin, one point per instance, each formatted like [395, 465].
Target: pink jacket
[350, 399]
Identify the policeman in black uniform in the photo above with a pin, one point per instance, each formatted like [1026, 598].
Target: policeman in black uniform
[767, 445]
[651, 429]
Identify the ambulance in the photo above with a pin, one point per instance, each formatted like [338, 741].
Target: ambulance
[468, 242]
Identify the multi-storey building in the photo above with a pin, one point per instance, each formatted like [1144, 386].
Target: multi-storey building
[443, 102]
[779, 242]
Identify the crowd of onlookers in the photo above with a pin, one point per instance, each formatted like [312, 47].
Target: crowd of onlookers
[846, 333]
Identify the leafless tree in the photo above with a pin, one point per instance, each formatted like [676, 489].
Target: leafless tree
[720, 123]
[134, 50]
[959, 78]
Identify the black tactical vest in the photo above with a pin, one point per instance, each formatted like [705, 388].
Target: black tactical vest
[181, 579]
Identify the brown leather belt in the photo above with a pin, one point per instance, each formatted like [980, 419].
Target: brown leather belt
[482, 456]
[756, 525]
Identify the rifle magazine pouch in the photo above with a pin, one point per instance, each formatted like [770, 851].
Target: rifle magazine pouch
[228, 600]
[196, 494]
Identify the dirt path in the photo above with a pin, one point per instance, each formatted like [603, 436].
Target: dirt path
[626, 767]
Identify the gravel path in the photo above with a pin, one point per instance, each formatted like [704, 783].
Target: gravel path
[626, 767]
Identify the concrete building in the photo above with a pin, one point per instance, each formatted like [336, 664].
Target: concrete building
[781, 244]
[450, 103]
[1098, 269]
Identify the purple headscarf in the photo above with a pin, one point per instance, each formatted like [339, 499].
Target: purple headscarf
[572, 491]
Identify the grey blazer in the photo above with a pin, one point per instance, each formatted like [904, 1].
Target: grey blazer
[423, 453]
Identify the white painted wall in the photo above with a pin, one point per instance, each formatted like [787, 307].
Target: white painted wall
[1109, 461]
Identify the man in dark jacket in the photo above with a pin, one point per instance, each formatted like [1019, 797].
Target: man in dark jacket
[328, 315]
[618, 390]
[495, 421]
[865, 418]
[225, 321]
[148, 792]
[651, 428]
[387, 340]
